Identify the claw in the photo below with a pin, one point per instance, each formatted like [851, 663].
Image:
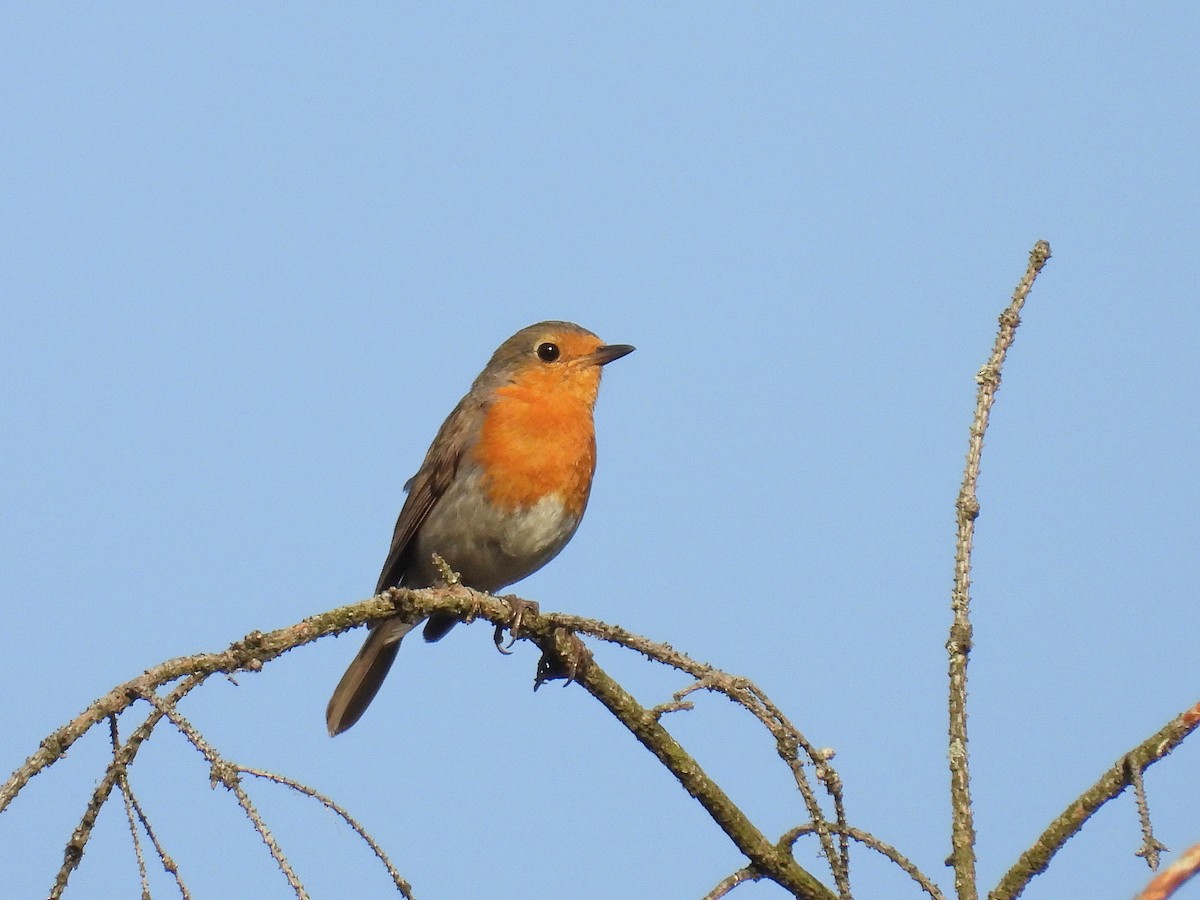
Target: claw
[519, 608]
[498, 639]
[518, 614]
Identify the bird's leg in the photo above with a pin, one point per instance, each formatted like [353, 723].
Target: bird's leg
[519, 607]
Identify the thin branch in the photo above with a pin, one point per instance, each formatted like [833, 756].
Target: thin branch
[127, 794]
[122, 756]
[401, 885]
[881, 847]
[168, 863]
[1151, 846]
[744, 875]
[224, 772]
[959, 644]
[73, 852]
[567, 653]
[788, 739]
[1035, 860]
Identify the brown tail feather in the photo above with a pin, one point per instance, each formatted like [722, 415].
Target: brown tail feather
[365, 674]
[439, 626]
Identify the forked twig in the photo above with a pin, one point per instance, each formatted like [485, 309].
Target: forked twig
[774, 862]
[73, 852]
[127, 794]
[881, 847]
[226, 773]
[168, 863]
[789, 741]
[1152, 847]
[401, 885]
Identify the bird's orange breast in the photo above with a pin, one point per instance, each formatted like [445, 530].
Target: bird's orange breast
[538, 438]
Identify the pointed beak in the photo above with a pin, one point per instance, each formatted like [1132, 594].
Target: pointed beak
[606, 353]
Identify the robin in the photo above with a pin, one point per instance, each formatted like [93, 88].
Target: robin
[502, 488]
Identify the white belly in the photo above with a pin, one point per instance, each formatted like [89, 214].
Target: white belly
[490, 549]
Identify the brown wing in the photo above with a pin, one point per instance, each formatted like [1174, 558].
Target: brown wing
[430, 482]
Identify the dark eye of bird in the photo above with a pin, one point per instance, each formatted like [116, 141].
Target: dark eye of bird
[548, 352]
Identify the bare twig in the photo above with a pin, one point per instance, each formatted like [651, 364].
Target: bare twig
[677, 702]
[878, 846]
[168, 863]
[122, 756]
[1151, 846]
[788, 739]
[728, 883]
[73, 853]
[959, 644]
[775, 863]
[226, 773]
[401, 885]
[127, 793]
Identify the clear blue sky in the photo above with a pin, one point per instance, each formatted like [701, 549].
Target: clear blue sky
[252, 257]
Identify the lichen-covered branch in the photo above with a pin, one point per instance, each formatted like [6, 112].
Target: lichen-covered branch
[1111, 784]
[123, 756]
[962, 838]
[248, 654]
[789, 741]
[402, 886]
[768, 858]
[883, 848]
[257, 648]
[225, 773]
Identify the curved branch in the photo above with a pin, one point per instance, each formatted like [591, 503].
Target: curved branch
[225, 773]
[123, 756]
[567, 653]
[248, 654]
[788, 739]
[329, 803]
[882, 847]
[546, 630]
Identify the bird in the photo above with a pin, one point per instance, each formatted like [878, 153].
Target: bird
[502, 488]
